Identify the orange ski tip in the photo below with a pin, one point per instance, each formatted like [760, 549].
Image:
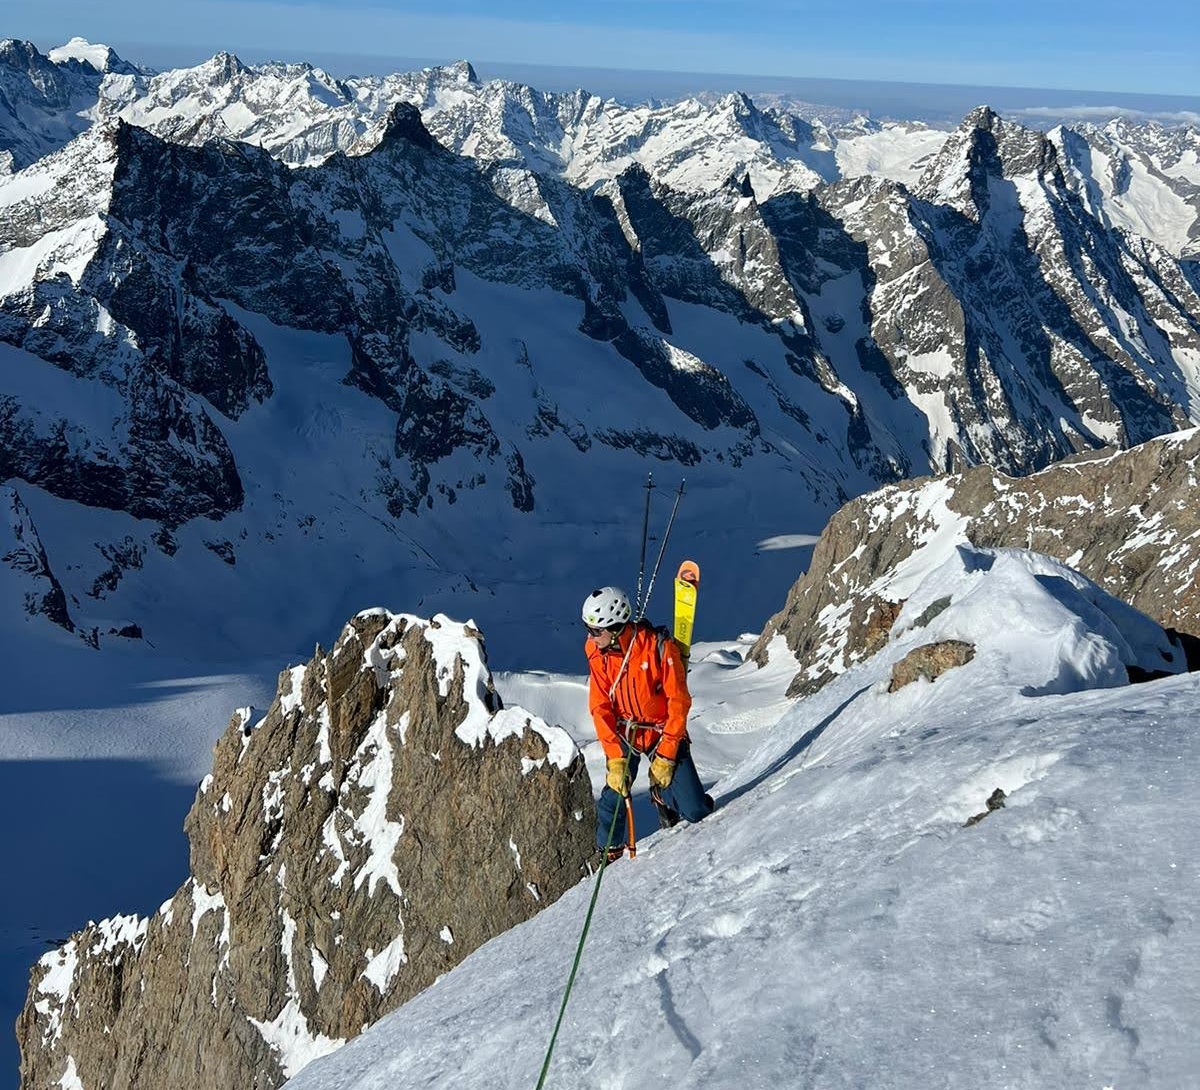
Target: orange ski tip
[689, 572]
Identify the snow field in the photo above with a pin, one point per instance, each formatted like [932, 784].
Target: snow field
[834, 924]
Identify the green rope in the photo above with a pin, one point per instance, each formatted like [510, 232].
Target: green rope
[587, 922]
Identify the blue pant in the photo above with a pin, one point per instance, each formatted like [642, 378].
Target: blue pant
[685, 796]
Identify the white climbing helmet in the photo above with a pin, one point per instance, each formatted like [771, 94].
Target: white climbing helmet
[606, 608]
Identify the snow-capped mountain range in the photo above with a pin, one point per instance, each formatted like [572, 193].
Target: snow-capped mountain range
[275, 347]
[226, 373]
[1145, 176]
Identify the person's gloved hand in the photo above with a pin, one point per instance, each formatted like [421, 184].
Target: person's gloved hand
[615, 776]
[661, 772]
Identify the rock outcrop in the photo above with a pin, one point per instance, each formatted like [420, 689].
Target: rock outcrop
[930, 661]
[383, 819]
[29, 586]
[1127, 520]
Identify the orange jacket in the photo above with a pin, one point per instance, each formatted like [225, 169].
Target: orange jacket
[650, 692]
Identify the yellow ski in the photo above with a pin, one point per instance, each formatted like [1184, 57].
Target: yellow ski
[687, 583]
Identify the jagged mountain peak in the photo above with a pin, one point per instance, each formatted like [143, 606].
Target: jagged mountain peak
[739, 182]
[987, 136]
[41, 98]
[18, 51]
[461, 71]
[985, 148]
[982, 117]
[223, 66]
[403, 122]
[740, 103]
[636, 174]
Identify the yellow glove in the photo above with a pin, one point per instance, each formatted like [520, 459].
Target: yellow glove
[615, 776]
[661, 772]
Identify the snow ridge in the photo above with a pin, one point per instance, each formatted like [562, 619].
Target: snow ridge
[835, 918]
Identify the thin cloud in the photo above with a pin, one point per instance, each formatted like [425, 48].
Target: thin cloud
[1091, 113]
[787, 541]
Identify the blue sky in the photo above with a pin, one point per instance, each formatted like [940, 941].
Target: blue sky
[1148, 47]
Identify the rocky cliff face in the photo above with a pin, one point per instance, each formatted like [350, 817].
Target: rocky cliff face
[29, 586]
[995, 307]
[42, 104]
[383, 819]
[1127, 520]
[1115, 168]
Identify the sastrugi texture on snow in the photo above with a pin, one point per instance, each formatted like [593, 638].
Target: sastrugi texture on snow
[382, 820]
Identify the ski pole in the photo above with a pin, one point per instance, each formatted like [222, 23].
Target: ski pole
[661, 551]
[645, 533]
[641, 612]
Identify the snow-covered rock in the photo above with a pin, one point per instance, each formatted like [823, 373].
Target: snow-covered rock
[384, 818]
[27, 585]
[838, 921]
[1143, 178]
[1126, 520]
[100, 57]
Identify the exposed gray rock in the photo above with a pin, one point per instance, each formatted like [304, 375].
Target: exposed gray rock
[1127, 520]
[995, 801]
[28, 579]
[698, 389]
[381, 821]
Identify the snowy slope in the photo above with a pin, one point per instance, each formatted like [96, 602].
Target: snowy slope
[1144, 178]
[835, 925]
[120, 742]
[892, 150]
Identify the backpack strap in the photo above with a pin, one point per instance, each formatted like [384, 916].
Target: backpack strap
[661, 634]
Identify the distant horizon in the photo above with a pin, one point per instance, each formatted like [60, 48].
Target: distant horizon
[1019, 44]
[933, 102]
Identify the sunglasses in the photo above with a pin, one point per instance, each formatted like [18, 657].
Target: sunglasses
[595, 631]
